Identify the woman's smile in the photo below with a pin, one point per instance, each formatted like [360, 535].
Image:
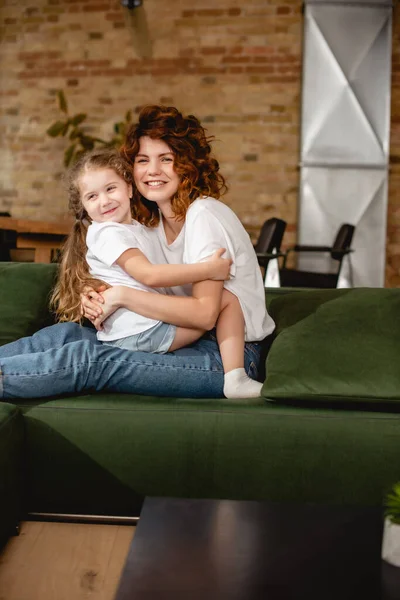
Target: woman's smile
[155, 183]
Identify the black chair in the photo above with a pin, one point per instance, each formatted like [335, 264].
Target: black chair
[269, 242]
[309, 279]
[8, 240]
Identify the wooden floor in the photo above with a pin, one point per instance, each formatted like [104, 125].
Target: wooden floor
[64, 561]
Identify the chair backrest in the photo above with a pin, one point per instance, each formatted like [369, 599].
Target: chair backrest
[342, 241]
[8, 241]
[271, 235]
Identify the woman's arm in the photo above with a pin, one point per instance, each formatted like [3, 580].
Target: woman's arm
[92, 301]
[198, 311]
[134, 262]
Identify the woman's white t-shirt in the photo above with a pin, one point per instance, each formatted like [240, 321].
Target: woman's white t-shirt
[106, 242]
[210, 225]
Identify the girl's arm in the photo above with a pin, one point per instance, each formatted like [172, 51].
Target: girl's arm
[198, 311]
[134, 262]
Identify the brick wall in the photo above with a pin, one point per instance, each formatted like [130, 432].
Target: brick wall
[234, 64]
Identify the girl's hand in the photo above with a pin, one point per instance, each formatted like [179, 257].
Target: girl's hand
[111, 299]
[91, 301]
[220, 267]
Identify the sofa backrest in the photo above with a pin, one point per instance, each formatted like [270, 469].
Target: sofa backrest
[24, 298]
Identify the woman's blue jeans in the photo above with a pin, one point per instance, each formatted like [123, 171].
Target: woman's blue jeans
[67, 358]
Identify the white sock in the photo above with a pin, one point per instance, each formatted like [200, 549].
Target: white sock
[237, 384]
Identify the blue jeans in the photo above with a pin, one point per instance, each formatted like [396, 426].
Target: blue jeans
[67, 358]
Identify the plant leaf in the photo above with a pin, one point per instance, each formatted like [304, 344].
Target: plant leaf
[392, 503]
[65, 128]
[56, 129]
[87, 142]
[62, 102]
[78, 119]
[68, 154]
[75, 133]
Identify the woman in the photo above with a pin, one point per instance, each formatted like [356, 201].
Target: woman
[76, 362]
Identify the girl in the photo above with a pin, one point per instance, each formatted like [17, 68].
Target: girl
[119, 251]
[177, 189]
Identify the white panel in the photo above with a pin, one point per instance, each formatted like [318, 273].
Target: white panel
[377, 93]
[346, 85]
[345, 136]
[350, 2]
[344, 194]
[370, 243]
[322, 80]
[349, 31]
[345, 131]
[330, 197]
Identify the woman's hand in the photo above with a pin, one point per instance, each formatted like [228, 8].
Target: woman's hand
[91, 301]
[111, 300]
[220, 267]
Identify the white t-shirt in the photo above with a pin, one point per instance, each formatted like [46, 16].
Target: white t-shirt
[210, 225]
[106, 242]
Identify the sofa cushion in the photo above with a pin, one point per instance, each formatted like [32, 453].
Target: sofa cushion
[103, 453]
[335, 345]
[24, 298]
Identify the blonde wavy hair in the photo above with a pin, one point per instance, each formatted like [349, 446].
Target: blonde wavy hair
[198, 170]
[74, 273]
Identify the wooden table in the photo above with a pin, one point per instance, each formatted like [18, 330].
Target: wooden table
[230, 550]
[40, 236]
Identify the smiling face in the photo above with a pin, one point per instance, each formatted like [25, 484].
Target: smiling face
[153, 171]
[105, 196]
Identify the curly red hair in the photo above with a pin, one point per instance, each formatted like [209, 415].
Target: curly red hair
[197, 169]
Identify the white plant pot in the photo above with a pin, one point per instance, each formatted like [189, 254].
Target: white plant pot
[391, 543]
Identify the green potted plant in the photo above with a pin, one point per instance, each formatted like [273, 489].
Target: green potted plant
[391, 528]
[78, 139]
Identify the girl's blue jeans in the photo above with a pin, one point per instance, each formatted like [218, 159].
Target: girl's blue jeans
[67, 358]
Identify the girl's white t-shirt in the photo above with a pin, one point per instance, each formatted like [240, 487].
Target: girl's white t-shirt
[106, 242]
[210, 225]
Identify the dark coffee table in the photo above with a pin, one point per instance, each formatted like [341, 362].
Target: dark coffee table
[223, 549]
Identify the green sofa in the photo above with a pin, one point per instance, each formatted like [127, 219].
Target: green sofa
[327, 429]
